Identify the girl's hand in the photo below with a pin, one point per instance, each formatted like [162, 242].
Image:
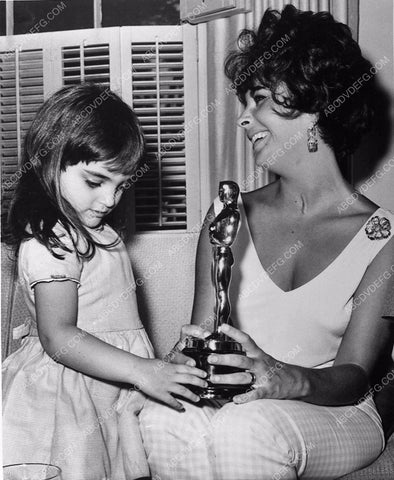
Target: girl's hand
[274, 379]
[162, 380]
[176, 355]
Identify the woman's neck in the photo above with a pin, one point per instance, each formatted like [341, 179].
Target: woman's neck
[309, 190]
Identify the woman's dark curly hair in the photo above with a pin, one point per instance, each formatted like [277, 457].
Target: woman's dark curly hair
[316, 58]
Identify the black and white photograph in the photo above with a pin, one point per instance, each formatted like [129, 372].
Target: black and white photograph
[197, 255]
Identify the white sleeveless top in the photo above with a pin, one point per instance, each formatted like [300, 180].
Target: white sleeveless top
[303, 326]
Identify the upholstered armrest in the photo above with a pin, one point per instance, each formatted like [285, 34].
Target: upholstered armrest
[380, 469]
[14, 312]
[163, 264]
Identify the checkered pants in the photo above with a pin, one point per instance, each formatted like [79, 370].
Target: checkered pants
[259, 440]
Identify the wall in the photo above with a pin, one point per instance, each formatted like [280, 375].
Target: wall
[376, 41]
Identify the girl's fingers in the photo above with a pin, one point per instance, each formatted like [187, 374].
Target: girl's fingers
[172, 402]
[194, 331]
[184, 392]
[241, 337]
[239, 378]
[191, 371]
[190, 380]
[231, 360]
[181, 359]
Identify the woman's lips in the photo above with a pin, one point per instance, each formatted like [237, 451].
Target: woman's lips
[259, 139]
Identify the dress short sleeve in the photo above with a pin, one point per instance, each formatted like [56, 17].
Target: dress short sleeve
[39, 265]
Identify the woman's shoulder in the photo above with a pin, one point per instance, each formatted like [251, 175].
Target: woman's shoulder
[365, 210]
[374, 225]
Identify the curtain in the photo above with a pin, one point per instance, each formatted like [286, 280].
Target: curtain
[229, 154]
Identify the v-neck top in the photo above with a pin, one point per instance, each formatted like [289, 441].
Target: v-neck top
[303, 326]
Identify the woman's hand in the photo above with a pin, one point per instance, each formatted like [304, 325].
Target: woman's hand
[273, 379]
[176, 355]
[162, 380]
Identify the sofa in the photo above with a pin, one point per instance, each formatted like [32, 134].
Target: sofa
[165, 303]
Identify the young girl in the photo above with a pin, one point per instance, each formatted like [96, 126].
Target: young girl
[71, 392]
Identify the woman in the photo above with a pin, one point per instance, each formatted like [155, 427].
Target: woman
[302, 263]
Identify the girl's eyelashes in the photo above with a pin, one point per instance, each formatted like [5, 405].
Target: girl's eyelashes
[93, 184]
[119, 189]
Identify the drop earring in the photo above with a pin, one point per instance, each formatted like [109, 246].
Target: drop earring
[312, 140]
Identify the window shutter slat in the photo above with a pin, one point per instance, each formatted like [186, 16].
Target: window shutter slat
[19, 101]
[158, 100]
[146, 66]
[86, 63]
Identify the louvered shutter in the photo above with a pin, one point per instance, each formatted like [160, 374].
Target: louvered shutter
[88, 63]
[21, 95]
[146, 66]
[158, 100]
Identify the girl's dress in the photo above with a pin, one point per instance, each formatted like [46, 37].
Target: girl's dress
[279, 439]
[54, 414]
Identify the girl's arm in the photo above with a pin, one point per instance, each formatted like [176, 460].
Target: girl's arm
[57, 312]
[366, 336]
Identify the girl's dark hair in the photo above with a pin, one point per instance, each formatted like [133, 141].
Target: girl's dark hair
[317, 60]
[87, 123]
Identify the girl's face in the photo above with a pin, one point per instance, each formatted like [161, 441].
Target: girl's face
[92, 190]
[275, 139]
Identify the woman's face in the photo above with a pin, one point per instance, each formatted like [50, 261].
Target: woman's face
[278, 142]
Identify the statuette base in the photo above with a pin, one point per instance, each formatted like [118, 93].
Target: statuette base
[199, 350]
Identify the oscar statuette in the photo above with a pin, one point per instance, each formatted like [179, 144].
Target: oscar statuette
[222, 233]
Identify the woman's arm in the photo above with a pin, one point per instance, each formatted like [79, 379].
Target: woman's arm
[348, 380]
[57, 312]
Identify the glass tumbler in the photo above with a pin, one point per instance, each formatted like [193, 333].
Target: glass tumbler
[31, 471]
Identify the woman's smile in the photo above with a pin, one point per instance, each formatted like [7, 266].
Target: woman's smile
[259, 140]
[271, 132]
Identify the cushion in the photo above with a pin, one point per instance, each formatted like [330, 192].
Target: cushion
[380, 469]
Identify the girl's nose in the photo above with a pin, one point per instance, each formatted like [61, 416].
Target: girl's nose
[109, 199]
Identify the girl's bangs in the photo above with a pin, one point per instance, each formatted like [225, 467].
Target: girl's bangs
[126, 163]
[121, 159]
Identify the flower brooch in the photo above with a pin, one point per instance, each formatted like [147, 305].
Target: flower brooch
[378, 228]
